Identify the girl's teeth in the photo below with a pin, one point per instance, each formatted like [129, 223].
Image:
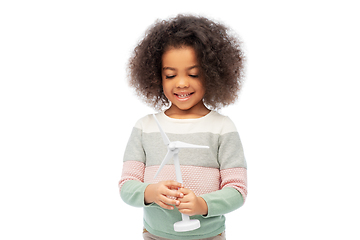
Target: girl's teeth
[184, 96]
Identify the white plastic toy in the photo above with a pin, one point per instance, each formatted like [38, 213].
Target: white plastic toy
[186, 224]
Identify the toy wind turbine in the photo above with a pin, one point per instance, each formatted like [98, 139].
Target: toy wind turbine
[186, 224]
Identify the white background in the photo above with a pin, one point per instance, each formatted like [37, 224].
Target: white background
[66, 114]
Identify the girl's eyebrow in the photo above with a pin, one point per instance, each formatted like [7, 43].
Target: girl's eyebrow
[169, 68]
[173, 69]
[195, 66]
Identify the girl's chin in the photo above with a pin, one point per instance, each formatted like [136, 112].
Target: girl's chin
[186, 106]
[182, 108]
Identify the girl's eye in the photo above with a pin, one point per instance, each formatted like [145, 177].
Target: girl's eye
[169, 77]
[194, 76]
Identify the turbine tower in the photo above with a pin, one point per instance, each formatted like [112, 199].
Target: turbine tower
[186, 224]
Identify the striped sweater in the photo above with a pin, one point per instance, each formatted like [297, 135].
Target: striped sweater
[217, 174]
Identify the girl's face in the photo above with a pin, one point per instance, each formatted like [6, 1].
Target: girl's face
[182, 83]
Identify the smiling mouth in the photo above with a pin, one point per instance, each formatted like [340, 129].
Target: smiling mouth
[183, 96]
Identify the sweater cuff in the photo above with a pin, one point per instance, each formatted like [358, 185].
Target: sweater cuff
[222, 201]
[132, 193]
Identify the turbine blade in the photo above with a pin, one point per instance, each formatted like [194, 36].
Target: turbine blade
[168, 156]
[165, 138]
[187, 145]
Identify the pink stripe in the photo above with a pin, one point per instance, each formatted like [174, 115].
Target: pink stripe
[200, 180]
[132, 170]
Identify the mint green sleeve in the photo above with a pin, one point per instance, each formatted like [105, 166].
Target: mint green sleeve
[132, 193]
[222, 201]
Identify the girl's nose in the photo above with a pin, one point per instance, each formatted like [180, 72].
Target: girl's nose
[182, 83]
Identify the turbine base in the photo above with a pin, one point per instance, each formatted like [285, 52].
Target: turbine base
[185, 226]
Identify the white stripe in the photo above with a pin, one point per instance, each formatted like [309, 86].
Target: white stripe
[212, 123]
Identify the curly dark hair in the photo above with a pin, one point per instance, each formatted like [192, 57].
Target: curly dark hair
[218, 52]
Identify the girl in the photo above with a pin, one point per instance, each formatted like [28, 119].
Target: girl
[192, 66]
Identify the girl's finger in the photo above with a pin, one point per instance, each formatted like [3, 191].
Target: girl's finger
[174, 193]
[184, 206]
[173, 184]
[163, 205]
[169, 201]
[185, 191]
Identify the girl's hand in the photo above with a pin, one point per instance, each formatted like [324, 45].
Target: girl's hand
[164, 194]
[190, 204]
